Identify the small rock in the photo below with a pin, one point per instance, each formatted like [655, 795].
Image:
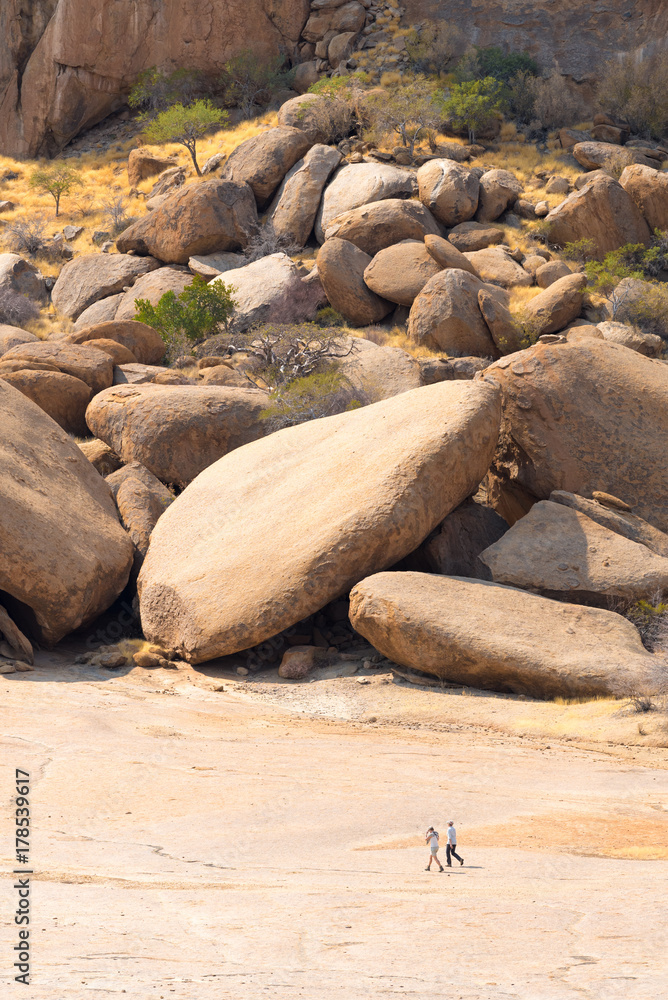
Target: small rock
[8, 667]
[100, 236]
[242, 671]
[609, 501]
[112, 661]
[72, 232]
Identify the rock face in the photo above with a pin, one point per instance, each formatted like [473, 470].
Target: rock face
[63, 397]
[449, 190]
[263, 161]
[649, 190]
[381, 224]
[445, 316]
[139, 507]
[93, 367]
[145, 343]
[268, 287]
[622, 522]
[506, 332]
[65, 556]
[198, 219]
[386, 475]
[357, 184]
[400, 272]
[491, 636]
[293, 210]
[94, 276]
[582, 417]
[176, 431]
[601, 211]
[70, 63]
[341, 267]
[559, 550]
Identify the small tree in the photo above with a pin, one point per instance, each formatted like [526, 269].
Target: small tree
[55, 179]
[472, 105]
[249, 80]
[191, 316]
[185, 125]
[410, 111]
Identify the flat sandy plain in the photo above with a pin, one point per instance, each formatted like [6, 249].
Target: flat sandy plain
[201, 837]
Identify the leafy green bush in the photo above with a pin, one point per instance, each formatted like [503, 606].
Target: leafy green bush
[194, 314]
[248, 80]
[308, 398]
[581, 251]
[472, 105]
[493, 61]
[185, 125]
[155, 91]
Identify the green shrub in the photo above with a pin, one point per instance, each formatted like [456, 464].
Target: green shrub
[248, 80]
[189, 317]
[318, 395]
[410, 111]
[155, 91]
[185, 125]
[472, 105]
[581, 251]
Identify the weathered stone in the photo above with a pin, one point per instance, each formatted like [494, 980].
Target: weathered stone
[497, 267]
[556, 549]
[602, 212]
[139, 508]
[143, 341]
[505, 330]
[293, 210]
[269, 288]
[65, 556]
[498, 190]
[629, 336]
[649, 189]
[583, 417]
[102, 311]
[471, 236]
[198, 219]
[381, 372]
[445, 316]
[298, 662]
[618, 518]
[12, 336]
[137, 374]
[382, 224]
[496, 637]
[94, 276]
[224, 375]
[19, 645]
[453, 547]
[62, 396]
[449, 190]
[211, 264]
[408, 461]
[551, 271]
[22, 276]
[100, 455]
[135, 470]
[356, 184]
[605, 155]
[448, 369]
[447, 255]
[340, 47]
[556, 306]
[176, 431]
[93, 367]
[308, 113]
[144, 163]
[152, 287]
[400, 272]
[557, 185]
[263, 161]
[341, 266]
[119, 354]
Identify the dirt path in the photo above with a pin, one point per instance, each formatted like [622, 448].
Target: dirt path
[264, 840]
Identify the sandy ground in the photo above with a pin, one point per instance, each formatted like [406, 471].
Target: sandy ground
[201, 837]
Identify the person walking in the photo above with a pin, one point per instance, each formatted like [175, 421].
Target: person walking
[451, 847]
[431, 838]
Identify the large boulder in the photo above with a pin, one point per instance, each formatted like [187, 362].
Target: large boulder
[341, 266]
[470, 236]
[400, 272]
[271, 288]
[62, 396]
[311, 113]
[557, 306]
[65, 557]
[506, 332]
[630, 336]
[144, 163]
[197, 219]
[381, 224]
[498, 190]
[445, 316]
[496, 266]
[356, 184]
[209, 265]
[557, 550]
[145, 343]
[608, 512]
[93, 367]
[94, 276]
[263, 160]
[370, 484]
[22, 277]
[495, 637]
[102, 311]
[380, 372]
[602, 212]
[649, 189]
[293, 210]
[176, 430]
[12, 336]
[152, 287]
[447, 255]
[608, 156]
[582, 417]
[449, 190]
[140, 506]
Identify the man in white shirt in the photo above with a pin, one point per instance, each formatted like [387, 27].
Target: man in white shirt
[431, 838]
[451, 848]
